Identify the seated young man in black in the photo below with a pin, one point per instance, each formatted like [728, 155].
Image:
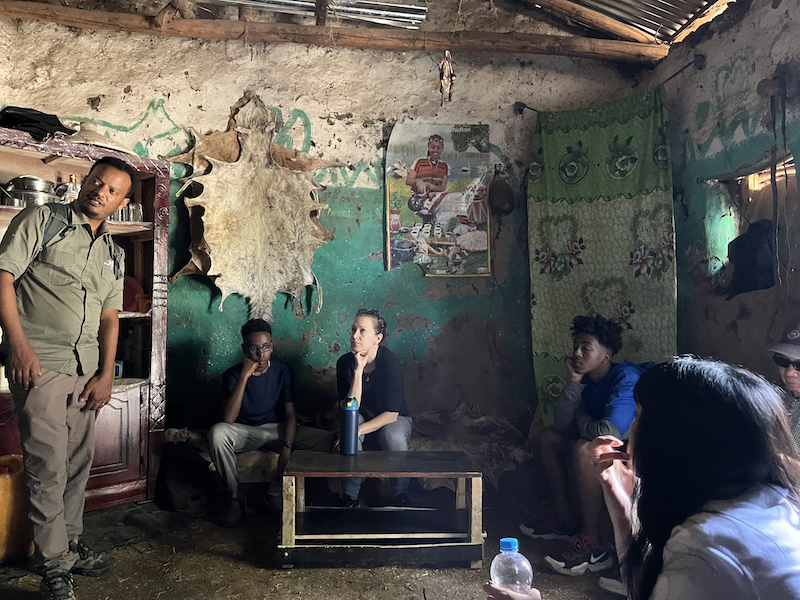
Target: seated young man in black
[258, 412]
[598, 400]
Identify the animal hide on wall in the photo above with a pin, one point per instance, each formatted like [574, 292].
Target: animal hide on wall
[255, 225]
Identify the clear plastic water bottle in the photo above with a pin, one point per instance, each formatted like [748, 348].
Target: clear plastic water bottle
[511, 570]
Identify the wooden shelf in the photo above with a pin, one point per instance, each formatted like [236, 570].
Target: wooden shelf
[385, 524]
[129, 432]
[115, 227]
[127, 314]
[66, 153]
[128, 227]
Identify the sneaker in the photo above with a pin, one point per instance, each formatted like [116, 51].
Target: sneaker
[347, 502]
[57, 585]
[558, 532]
[90, 563]
[232, 515]
[615, 586]
[403, 500]
[581, 556]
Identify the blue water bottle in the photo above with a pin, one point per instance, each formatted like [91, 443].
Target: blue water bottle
[348, 430]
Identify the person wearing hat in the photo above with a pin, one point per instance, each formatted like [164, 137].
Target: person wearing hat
[787, 357]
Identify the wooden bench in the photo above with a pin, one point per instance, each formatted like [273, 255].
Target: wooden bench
[326, 535]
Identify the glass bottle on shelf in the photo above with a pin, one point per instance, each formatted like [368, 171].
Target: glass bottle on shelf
[72, 191]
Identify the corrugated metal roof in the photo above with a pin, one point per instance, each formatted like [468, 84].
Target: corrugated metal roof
[664, 19]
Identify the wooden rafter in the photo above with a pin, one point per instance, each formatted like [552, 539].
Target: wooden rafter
[321, 12]
[375, 39]
[165, 15]
[184, 8]
[595, 20]
[247, 13]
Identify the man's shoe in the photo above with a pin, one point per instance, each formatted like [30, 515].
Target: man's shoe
[403, 500]
[232, 515]
[615, 586]
[90, 563]
[57, 585]
[581, 556]
[347, 502]
[560, 531]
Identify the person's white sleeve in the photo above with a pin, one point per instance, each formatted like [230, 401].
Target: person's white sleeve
[567, 405]
[708, 574]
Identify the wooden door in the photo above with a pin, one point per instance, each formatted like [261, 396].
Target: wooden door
[119, 459]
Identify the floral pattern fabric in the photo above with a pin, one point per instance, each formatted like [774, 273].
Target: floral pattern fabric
[601, 233]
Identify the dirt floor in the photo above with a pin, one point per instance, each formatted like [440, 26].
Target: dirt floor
[167, 555]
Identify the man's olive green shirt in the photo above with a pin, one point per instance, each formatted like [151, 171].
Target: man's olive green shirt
[62, 288]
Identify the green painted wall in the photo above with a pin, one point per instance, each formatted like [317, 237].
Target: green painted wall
[719, 124]
[202, 341]
[463, 341]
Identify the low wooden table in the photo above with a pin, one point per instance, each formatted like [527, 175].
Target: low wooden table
[326, 535]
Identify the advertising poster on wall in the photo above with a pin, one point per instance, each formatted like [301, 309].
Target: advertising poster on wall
[436, 182]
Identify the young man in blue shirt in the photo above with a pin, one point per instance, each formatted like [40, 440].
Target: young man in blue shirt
[259, 411]
[598, 400]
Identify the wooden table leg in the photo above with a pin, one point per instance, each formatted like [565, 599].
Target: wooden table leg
[461, 494]
[289, 508]
[300, 493]
[475, 497]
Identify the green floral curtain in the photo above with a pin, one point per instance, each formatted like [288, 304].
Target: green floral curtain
[601, 234]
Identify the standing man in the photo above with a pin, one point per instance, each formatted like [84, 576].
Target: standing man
[258, 412]
[59, 303]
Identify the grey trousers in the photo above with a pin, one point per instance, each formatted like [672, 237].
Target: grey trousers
[226, 440]
[58, 446]
[393, 436]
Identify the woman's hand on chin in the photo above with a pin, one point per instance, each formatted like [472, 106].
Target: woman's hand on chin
[361, 359]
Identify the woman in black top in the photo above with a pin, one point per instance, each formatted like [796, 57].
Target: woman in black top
[372, 374]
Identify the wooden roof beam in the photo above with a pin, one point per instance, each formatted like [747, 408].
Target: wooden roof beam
[370, 39]
[321, 12]
[595, 20]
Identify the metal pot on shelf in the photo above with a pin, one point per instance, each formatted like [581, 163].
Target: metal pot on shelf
[29, 183]
[28, 190]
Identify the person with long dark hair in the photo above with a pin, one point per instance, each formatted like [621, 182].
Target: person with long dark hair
[706, 502]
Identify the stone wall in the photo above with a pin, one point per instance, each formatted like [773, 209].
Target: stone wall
[719, 125]
[462, 340]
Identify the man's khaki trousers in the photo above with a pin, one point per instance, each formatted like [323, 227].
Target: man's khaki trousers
[58, 443]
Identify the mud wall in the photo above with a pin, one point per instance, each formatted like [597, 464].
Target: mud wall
[719, 125]
[462, 340]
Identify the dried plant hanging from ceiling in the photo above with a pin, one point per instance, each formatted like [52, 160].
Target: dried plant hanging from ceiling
[446, 77]
[260, 225]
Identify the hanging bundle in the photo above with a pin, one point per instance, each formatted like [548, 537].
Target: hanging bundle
[501, 196]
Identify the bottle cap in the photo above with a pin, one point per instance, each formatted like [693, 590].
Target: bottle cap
[509, 545]
[351, 402]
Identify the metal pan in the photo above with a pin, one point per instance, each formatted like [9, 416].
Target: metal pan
[21, 198]
[29, 183]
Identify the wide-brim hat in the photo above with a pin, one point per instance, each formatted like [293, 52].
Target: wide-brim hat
[789, 344]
